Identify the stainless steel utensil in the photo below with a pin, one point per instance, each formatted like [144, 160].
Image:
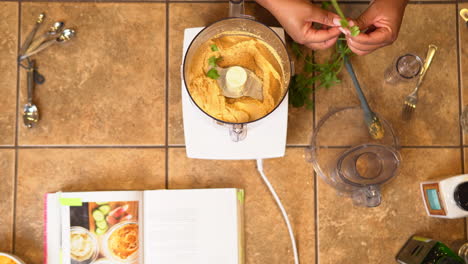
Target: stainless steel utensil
[65, 36]
[30, 111]
[31, 35]
[52, 31]
[374, 126]
[412, 99]
[464, 15]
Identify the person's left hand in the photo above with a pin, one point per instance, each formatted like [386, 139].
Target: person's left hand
[382, 19]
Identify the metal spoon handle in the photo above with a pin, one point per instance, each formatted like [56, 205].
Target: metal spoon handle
[30, 82]
[31, 35]
[42, 47]
[37, 43]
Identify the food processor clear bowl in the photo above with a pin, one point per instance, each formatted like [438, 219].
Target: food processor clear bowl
[346, 157]
[240, 26]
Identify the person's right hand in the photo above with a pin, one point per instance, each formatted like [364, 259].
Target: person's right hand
[297, 16]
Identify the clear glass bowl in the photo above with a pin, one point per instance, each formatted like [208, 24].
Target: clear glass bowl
[346, 157]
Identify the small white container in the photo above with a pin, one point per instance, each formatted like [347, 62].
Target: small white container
[446, 198]
[12, 257]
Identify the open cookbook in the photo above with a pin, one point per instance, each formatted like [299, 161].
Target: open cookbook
[203, 226]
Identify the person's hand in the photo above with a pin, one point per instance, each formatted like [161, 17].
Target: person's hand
[382, 19]
[297, 16]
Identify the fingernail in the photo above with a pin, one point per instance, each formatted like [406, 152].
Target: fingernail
[351, 23]
[342, 30]
[336, 22]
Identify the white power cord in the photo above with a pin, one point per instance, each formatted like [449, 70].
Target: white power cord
[281, 207]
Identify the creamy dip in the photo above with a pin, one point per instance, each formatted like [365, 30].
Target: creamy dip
[123, 242]
[81, 245]
[236, 50]
[6, 260]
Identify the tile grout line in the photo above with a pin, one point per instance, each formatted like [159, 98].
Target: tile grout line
[167, 98]
[460, 93]
[91, 147]
[316, 200]
[460, 100]
[15, 180]
[291, 146]
[212, 2]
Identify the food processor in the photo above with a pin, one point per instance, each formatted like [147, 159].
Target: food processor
[347, 158]
[207, 137]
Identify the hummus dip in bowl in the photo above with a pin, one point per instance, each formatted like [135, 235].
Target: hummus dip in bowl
[245, 43]
[6, 258]
[84, 247]
[121, 243]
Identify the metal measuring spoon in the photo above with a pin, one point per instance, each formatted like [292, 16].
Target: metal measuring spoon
[31, 35]
[52, 31]
[30, 111]
[65, 36]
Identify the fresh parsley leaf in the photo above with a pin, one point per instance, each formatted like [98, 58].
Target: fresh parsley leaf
[354, 31]
[213, 61]
[344, 22]
[213, 74]
[316, 76]
[325, 5]
[214, 47]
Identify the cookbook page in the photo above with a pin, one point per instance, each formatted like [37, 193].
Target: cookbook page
[191, 226]
[101, 227]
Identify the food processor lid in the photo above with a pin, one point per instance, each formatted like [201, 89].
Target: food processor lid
[461, 195]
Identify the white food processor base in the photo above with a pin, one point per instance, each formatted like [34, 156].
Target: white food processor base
[204, 139]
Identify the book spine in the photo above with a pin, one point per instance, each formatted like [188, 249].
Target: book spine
[45, 228]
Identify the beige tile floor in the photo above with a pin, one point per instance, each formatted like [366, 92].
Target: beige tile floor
[111, 120]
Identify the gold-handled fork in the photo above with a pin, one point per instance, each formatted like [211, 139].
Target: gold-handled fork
[412, 99]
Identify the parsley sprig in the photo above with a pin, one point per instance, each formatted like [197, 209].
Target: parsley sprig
[322, 75]
[344, 22]
[213, 62]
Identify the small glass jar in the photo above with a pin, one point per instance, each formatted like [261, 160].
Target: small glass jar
[404, 68]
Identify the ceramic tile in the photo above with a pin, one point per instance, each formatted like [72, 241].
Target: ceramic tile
[7, 177]
[463, 33]
[106, 86]
[8, 70]
[300, 120]
[435, 121]
[350, 234]
[267, 240]
[50, 170]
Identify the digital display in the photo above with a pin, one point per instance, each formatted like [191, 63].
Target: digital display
[433, 198]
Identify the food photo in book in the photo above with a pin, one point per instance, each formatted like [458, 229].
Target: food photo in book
[104, 233]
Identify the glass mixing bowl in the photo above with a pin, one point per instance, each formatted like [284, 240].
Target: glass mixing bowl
[346, 157]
